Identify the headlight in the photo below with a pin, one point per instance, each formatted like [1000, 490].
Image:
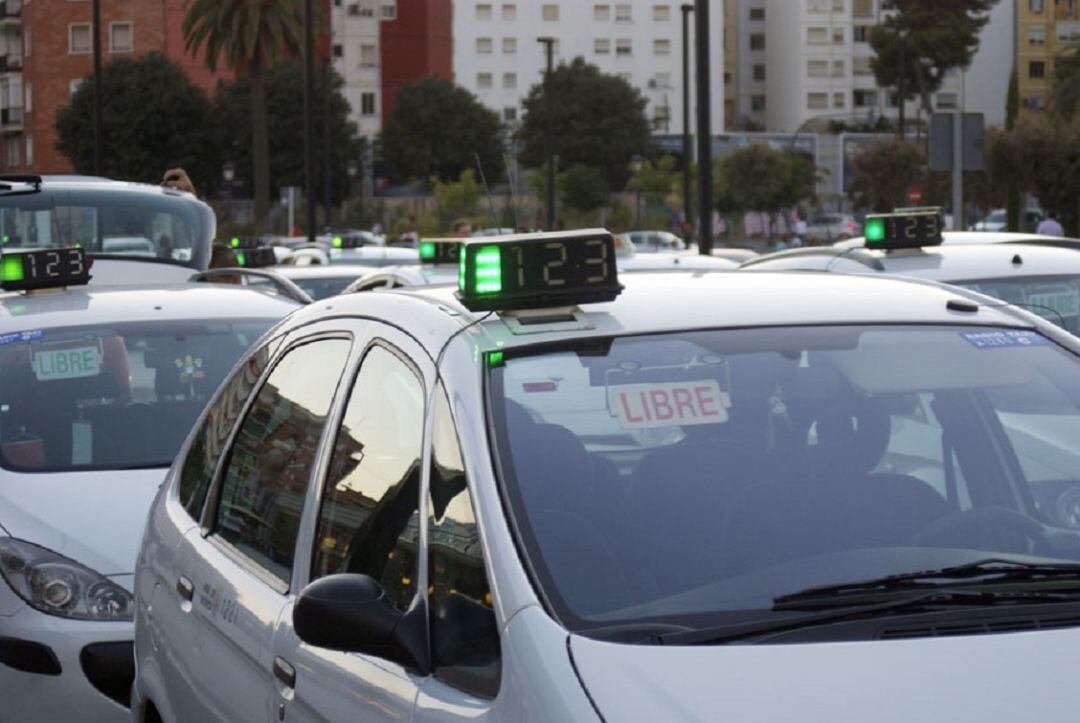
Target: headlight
[56, 585]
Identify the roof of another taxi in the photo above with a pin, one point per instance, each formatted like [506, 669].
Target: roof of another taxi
[117, 304]
[670, 301]
[322, 271]
[957, 238]
[94, 183]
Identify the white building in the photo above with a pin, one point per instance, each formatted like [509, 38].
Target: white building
[354, 38]
[498, 58]
[751, 72]
[818, 64]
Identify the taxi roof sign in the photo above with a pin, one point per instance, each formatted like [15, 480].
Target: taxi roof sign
[903, 229]
[535, 271]
[256, 258]
[43, 269]
[439, 250]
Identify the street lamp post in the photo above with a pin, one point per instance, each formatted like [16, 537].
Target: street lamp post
[352, 168]
[688, 208]
[704, 127]
[96, 25]
[549, 50]
[635, 163]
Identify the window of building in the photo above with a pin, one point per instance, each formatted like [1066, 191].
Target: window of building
[121, 38]
[467, 651]
[339, 51]
[817, 36]
[628, 77]
[1036, 35]
[861, 66]
[550, 12]
[759, 72]
[661, 80]
[622, 13]
[26, 43]
[369, 56]
[367, 104]
[388, 12]
[601, 13]
[14, 152]
[601, 46]
[509, 80]
[623, 47]
[483, 11]
[817, 68]
[1035, 102]
[757, 103]
[757, 41]
[483, 80]
[509, 11]
[838, 6]
[509, 46]
[269, 466]
[483, 46]
[861, 33]
[817, 101]
[1068, 33]
[1035, 6]
[817, 6]
[661, 13]
[839, 100]
[838, 36]
[946, 101]
[79, 39]
[838, 69]
[862, 8]
[661, 47]
[757, 14]
[509, 114]
[1037, 69]
[865, 99]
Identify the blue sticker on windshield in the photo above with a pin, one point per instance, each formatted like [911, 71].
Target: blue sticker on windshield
[1003, 339]
[18, 336]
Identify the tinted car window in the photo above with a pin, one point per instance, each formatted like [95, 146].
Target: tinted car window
[266, 474]
[368, 519]
[464, 635]
[120, 396]
[1055, 298]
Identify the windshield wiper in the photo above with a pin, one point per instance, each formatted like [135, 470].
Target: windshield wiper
[988, 571]
[919, 601]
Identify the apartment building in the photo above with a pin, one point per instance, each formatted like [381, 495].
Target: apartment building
[497, 55]
[1045, 28]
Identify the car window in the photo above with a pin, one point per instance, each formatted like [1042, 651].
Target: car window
[1054, 298]
[369, 513]
[121, 396]
[464, 634]
[213, 433]
[266, 475]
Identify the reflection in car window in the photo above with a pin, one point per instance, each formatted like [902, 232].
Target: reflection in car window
[368, 520]
[266, 474]
[464, 635]
[1055, 298]
[112, 397]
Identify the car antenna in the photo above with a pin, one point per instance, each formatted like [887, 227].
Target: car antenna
[513, 189]
[483, 179]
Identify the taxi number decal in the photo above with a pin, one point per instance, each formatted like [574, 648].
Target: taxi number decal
[1003, 339]
[71, 363]
[21, 336]
[675, 404]
[1066, 303]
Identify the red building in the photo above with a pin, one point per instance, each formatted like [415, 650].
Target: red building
[417, 43]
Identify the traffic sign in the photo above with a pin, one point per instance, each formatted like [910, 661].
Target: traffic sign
[915, 195]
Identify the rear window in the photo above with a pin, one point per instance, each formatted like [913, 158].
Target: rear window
[111, 397]
[1055, 298]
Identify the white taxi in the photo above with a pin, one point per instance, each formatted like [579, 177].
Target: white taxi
[550, 493]
[98, 387]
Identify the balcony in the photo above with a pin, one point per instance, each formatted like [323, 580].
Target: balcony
[11, 63]
[11, 12]
[11, 119]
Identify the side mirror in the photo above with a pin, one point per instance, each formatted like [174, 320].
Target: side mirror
[352, 613]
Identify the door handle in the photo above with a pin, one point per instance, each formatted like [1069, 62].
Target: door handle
[185, 588]
[284, 672]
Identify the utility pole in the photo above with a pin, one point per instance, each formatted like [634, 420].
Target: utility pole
[704, 127]
[309, 115]
[96, 29]
[687, 151]
[549, 50]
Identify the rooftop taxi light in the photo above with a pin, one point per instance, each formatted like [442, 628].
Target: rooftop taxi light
[235, 242]
[338, 242]
[256, 258]
[48, 268]
[439, 250]
[906, 229]
[530, 271]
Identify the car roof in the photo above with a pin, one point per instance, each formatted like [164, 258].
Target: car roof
[322, 271]
[666, 302]
[943, 263]
[674, 259]
[82, 183]
[79, 305]
[952, 238]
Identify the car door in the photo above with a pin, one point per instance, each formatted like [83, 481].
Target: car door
[235, 570]
[367, 521]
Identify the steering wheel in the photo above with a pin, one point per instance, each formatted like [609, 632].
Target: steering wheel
[997, 529]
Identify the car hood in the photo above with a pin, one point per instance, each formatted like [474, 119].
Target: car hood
[989, 677]
[94, 518]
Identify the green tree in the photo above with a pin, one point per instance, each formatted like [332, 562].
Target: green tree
[584, 117]
[283, 84]
[923, 40]
[153, 118]
[583, 188]
[1050, 153]
[437, 129]
[252, 35]
[883, 172]
[656, 179]
[457, 199]
[762, 178]
[1013, 202]
[1065, 84]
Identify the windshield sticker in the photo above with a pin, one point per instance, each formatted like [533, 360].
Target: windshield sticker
[189, 368]
[69, 363]
[1065, 302]
[673, 404]
[21, 336]
[1003, 339]
[534, 387]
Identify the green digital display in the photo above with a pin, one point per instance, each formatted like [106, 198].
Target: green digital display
[50, 268]
[907, 230]
[538, 270]
[439, 251]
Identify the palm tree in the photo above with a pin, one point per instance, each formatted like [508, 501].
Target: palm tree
[250, 35]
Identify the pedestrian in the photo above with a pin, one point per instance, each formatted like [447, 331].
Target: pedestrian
[1049, 226]
[178, 178]
[463, 229]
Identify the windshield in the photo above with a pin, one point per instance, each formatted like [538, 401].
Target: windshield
[1055, 298]
[105, 222]
[111, 397]
[705, 473]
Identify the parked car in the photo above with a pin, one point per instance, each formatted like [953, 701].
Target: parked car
[997, 220]
[829, 227]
